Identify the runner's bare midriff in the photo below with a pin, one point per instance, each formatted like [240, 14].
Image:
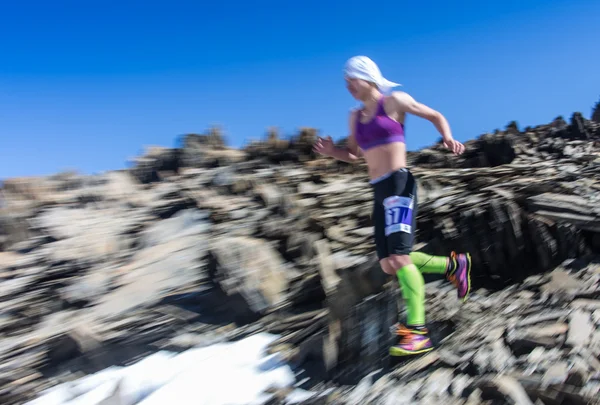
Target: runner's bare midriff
[385, 158]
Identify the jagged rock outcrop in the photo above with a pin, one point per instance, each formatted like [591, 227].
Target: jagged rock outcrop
[276, 150]
[596, 113]
[202, 243]
[530, 145]
[210, 150]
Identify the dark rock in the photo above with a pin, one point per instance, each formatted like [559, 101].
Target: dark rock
[578, 128]
[596, 113]
[148, 168]
[250, 273]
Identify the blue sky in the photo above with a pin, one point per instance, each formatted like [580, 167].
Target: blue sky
[86, 85]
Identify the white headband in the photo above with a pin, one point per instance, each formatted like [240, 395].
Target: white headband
[361, 67]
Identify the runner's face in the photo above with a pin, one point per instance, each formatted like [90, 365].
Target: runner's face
[358, 88]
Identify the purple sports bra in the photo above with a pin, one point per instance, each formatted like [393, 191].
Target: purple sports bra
[381, 129]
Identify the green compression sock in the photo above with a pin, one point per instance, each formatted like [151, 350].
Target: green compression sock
[413, 291]
[429, 264]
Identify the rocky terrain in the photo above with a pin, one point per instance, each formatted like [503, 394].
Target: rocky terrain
[204, 243]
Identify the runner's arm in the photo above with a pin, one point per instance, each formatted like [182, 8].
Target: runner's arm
[406, 103]
[351, 153]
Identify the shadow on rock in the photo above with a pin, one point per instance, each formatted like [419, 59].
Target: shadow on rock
[209, 307]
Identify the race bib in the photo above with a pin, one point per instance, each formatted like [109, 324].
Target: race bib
[398, 214]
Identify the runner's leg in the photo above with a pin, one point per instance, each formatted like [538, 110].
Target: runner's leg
[430, 264]
[399, 202]
[456, 268]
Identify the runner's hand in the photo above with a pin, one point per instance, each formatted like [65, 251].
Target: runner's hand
[324, 146]
[456, 147]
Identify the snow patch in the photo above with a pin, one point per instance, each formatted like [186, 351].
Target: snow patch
[224, 373]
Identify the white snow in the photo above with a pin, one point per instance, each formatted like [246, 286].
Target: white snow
[224, 373]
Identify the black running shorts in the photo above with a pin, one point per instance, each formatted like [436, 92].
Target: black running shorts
[394, 213]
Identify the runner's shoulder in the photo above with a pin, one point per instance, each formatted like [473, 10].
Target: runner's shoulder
[400, 97]
[399, 101]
